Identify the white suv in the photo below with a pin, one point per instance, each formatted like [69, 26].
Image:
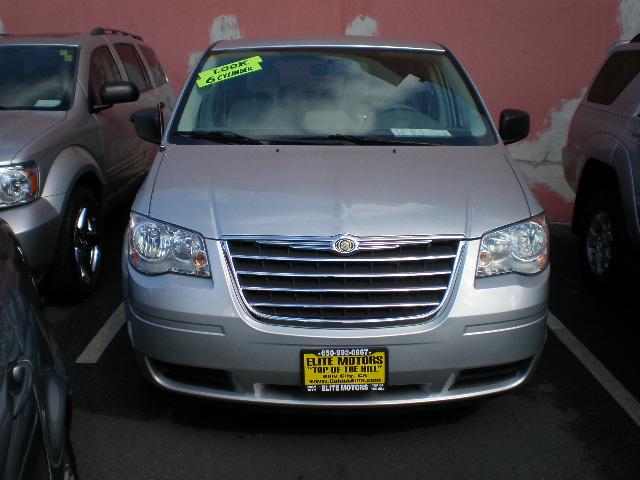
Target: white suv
[602, 165]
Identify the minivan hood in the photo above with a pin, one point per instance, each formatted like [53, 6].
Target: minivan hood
[19, 127]
[302, 190]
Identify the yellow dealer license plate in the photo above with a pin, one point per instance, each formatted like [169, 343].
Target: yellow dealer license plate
[344, 369]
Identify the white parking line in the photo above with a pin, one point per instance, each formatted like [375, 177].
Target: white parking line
[619, 393]
[103, 338]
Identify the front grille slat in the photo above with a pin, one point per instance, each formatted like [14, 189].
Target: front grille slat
[346, 290]
[302, 281]
[342, 275]
[339, 259]
[345, 305]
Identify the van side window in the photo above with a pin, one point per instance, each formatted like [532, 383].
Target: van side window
[102, 68]
[616, 74]
[133, 66]
[157, 71]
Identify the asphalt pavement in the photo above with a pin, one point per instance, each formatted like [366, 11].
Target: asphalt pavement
[562, 425]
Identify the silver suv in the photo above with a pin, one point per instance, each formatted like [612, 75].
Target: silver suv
[335, 222]
[68, 150]
[602, 165]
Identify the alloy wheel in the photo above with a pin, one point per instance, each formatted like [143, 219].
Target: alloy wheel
[87, 250]
[599, 243]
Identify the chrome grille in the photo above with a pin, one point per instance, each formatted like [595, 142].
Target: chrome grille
[303, 281]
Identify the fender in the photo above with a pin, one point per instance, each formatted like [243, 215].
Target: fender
[66, 169]
[600, 145]
[533, 203]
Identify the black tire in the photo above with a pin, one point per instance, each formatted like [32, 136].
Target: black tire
[603, 249]
[68, 278]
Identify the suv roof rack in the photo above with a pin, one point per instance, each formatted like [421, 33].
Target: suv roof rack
[113, 31]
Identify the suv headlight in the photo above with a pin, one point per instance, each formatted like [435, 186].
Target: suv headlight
[519, 248]
[19, 184]
[156, 247]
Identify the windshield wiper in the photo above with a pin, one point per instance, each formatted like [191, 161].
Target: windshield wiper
[359, 140]
[29, 108]
[222, 136]
[229, 137]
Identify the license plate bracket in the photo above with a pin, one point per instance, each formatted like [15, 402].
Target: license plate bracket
[344, 370]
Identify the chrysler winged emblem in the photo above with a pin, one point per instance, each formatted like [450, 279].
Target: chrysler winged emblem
[345, 245]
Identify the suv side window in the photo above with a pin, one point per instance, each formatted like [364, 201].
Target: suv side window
[102, 68]
[133, 66]
[154, 64]
[618, 72]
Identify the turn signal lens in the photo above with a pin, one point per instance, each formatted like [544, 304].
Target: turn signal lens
[199, 258]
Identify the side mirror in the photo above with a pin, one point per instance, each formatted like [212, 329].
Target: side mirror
[148, 124]
[116, 92]
[514, 126]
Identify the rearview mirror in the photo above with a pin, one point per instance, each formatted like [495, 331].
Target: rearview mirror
[148, 124]
[514, 125]
[116, 92]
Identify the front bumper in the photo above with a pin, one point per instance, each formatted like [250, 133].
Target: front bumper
[179, 322]
[36, 225]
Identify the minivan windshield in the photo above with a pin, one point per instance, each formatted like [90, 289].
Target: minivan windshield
[355, 95]
[37, 77]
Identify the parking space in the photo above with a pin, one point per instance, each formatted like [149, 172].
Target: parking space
[563, 424]
[606, 322]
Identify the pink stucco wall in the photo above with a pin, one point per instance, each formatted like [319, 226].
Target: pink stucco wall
[529, 54]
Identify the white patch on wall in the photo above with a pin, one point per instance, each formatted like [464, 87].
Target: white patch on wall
[629, 18]
[540, 160]
[363, 25]
[224, 27]
[1, 26]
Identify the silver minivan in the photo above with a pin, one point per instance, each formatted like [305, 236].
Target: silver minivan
[334, 222]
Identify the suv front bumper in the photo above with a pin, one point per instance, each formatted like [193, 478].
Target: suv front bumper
[36, 225]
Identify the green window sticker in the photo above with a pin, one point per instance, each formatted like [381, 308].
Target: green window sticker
[228, 71]
[67, 56]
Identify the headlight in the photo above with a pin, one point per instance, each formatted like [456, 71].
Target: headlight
[520, 248]
[18, 184]
[156, 247]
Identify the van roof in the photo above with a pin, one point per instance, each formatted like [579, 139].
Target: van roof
[337, 41]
